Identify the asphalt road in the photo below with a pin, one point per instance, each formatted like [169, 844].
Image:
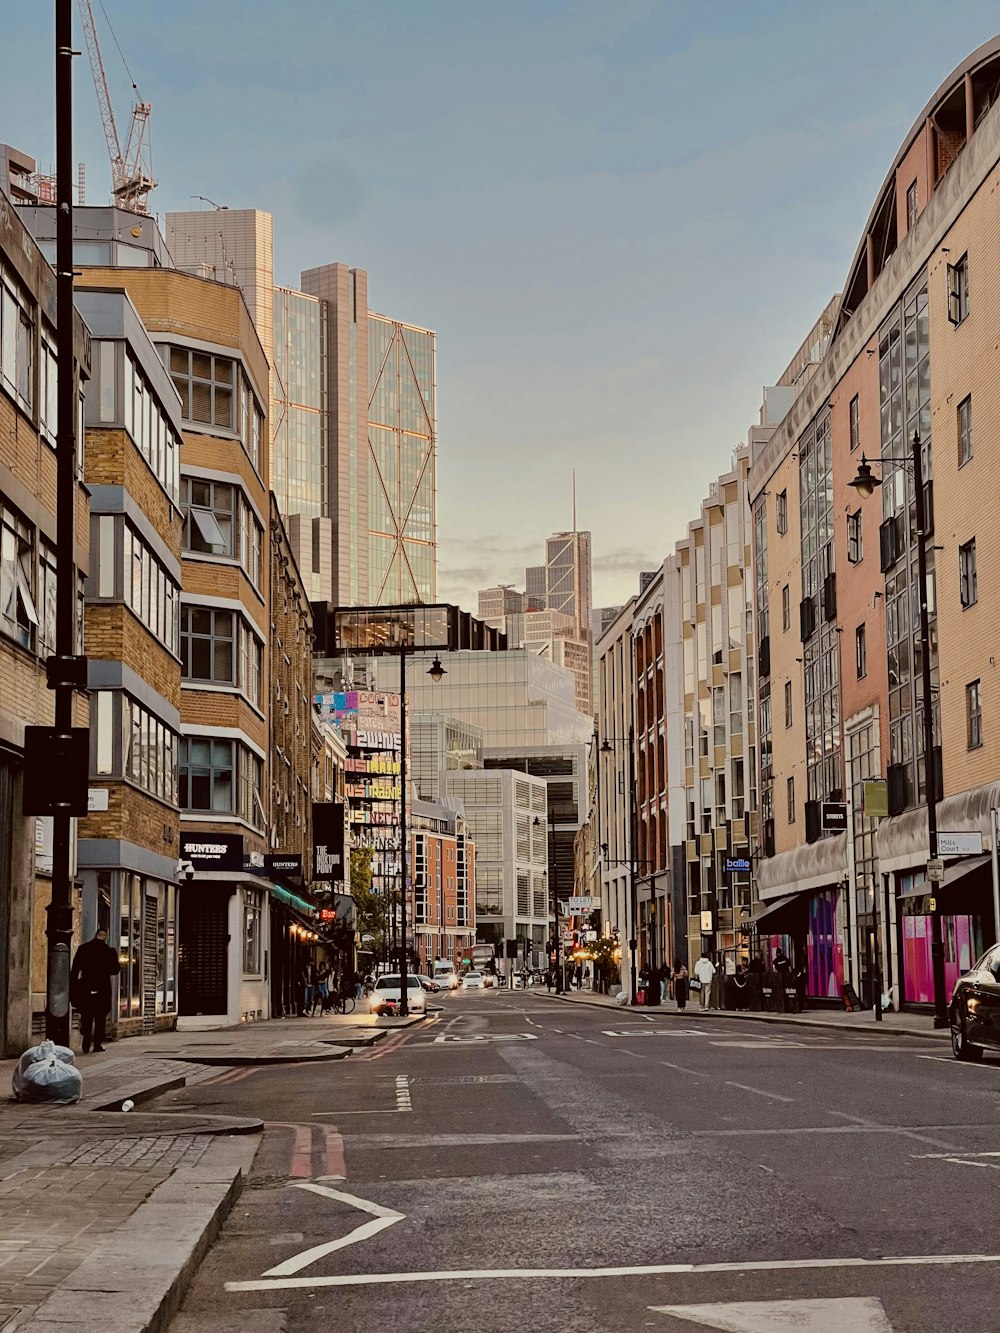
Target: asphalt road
[518, 1163]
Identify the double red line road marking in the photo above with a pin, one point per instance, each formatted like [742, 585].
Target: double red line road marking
[310, 1142]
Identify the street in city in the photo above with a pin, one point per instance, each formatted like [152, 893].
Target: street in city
[522, 1161]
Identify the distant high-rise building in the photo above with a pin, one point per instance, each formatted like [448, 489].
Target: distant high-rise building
[498, 602]
[563, 585]
[353, 412]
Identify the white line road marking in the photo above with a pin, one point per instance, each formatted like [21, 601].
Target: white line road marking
[635, 1270]
[484, 1037]
[950, 1157]
[852, 1314]
[774, 1096]
[403, 1102]
[903, 1130]
[695, 1073]
[382, 1218]
[950, 1060]
[647, 1032]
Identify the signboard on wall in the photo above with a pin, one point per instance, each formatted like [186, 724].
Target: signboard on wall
[960, 844]
[328, 840]
[283, 863]
[213, 851]
[706, 923]
[833, 816]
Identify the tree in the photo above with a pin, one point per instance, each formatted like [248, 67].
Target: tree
[370, 906]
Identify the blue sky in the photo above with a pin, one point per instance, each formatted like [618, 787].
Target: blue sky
[620, 217]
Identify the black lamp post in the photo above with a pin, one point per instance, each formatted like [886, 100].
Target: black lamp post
[555, 896]
[607, 747]
[865, 483]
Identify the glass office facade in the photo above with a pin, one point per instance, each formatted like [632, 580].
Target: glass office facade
[402, 435]
[298, 430]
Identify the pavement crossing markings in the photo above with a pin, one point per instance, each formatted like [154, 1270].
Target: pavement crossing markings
[636, 1270]
[853, 1314]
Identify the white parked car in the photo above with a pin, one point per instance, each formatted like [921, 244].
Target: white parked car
[386, 996]
[474, 981]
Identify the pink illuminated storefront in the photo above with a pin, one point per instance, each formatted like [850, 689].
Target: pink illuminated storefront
[962, 932]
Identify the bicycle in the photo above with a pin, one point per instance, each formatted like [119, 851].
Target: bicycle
[343, 1004]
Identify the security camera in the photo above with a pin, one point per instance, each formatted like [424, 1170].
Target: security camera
[184, 871]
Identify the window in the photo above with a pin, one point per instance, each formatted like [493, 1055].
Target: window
[208, 516]
[967, 573]
[17, 342]
[149, 590]
[788, 703]
[48, 388]
[855, 547]
[206, 774]
[974, 714]
[18, 614]
[205, 384]
[251, 660]
[958, 290]
[207, 645]
[786, 608]
[781, 513]
[964, 431]
[861, 652]
[791, 800]
[911, 205]
[251, 930]
[855, 411]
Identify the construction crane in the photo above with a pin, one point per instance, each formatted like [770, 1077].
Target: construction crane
[131, 179]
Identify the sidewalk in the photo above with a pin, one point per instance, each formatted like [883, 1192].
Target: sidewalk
[900, 1025]
[104, 1216]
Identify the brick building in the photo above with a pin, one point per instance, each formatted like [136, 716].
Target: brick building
[27, 604]
[128, 845]
[442, 901]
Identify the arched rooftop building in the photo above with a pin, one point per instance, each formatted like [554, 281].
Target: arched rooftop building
[947, 123]
[911, 370]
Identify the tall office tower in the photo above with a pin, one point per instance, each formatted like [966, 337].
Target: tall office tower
[568, 579]
[234, 246]
[535, 596]
[498, 602]
[382, 478]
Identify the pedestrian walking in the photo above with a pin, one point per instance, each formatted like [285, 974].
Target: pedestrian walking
[323, 986]
[578, 975]
[307, 989]
[704, 971]
[680, 978]
[94, 967]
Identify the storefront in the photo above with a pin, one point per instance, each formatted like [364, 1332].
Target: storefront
[223, 954]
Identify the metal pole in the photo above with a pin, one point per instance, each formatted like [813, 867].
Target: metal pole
[59, 924]
[930, 768]
[633, 863]
[852, 874]
[555, 903]
[995, 858]
[404, 1007]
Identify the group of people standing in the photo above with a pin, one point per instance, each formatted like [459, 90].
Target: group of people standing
[727, 984]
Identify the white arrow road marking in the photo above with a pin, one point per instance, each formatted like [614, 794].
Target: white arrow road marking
[643, 1270]
[383, 1217]
[855, 1314]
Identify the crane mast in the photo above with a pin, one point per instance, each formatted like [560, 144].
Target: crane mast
[131, 179]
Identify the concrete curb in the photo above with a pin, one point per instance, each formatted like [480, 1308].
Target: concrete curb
[745, 1016]
[135, 1283]
[234, 1058]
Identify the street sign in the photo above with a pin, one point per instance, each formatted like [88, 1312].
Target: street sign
[580, 904]
[833, 817]
[960, 844]
[935, 870]
[737, 865]
[706, 923]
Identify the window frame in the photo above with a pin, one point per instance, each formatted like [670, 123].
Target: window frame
[781, 512]
[973, 715]
[911, 205]
[854, 418]
[786, 608]
[855, 538]
[963, 417]
[789, 710]
[968, 588]
[861, 651]
[790, 798]
[958, 290]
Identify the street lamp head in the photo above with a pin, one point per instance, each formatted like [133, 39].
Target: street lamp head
[605, 746]
[866, 481]
[436, 670]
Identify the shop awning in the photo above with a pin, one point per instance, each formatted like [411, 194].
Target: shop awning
[774, 907]
[810, 866]
[284, 895]
[953, 873]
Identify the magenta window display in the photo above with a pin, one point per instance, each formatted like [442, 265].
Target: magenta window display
[824, 949]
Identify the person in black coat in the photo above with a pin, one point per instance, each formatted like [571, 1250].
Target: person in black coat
[94, 966]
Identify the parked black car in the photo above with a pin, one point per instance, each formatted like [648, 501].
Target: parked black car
[974, 1013]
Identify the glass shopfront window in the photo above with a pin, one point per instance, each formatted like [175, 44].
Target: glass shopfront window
[166, 949]
[130, 947]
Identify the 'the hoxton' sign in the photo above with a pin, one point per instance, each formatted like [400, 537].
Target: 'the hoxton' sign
[328, 840]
